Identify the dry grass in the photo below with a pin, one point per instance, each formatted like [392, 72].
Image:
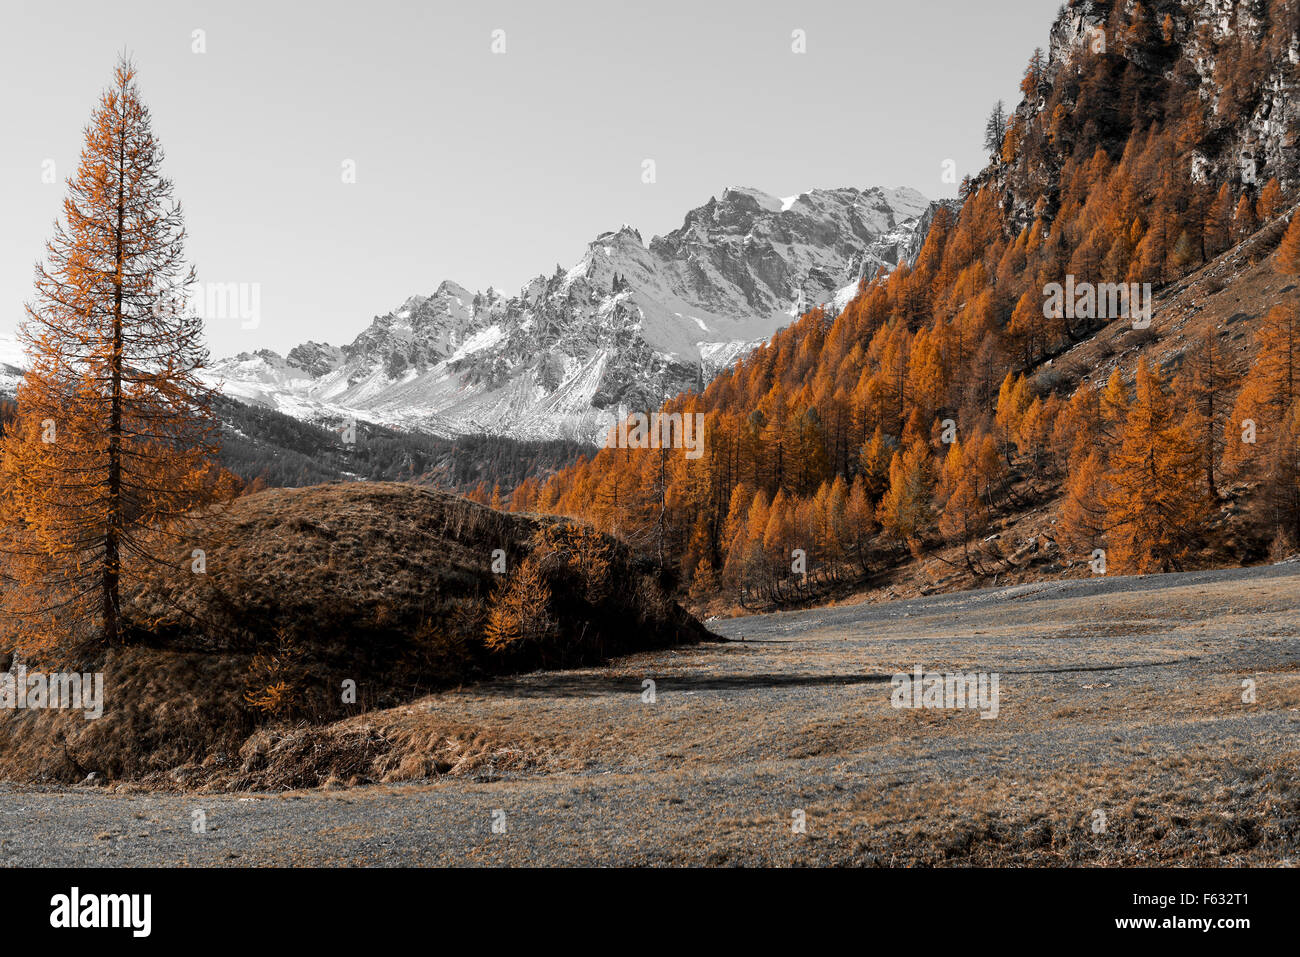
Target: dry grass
[367, 750]
[383, 585]
[1202, 810]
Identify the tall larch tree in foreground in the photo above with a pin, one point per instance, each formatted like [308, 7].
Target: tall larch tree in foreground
[115, 435]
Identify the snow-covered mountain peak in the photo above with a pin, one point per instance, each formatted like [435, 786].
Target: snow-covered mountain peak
[747, 194]
[629, 323]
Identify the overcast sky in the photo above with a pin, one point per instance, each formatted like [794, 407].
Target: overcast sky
[482, 167]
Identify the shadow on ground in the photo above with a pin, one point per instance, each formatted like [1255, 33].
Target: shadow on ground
[592, 685]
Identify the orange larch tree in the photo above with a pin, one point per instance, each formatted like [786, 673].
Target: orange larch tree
[1243, 220]
[1156, 504]
[1270, 388]
[1271, 201]
[907, 510]
[1288, 251]
[1284, 480]
[115, 436]
[1204, 388]
[1083, 514]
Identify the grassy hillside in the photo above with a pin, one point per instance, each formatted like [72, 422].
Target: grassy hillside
[387, 586]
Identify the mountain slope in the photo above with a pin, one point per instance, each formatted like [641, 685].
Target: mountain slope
[629, 323]
[1225, 73]
[951, 411]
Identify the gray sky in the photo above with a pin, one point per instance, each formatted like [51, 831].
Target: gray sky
[480, 167]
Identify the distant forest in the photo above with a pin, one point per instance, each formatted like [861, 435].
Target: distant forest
[265, 448]
[268, 448]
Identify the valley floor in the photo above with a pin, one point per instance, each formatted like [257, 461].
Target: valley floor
[1121, 708]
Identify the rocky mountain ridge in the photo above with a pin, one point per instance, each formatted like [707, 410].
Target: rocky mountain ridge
[629, 324]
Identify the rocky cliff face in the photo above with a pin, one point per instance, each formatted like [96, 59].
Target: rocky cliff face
[1227, 72]
[631, 323]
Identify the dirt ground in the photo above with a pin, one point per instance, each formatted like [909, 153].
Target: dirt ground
[1121, 738]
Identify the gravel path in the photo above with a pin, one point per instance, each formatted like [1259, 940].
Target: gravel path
[1119, 693]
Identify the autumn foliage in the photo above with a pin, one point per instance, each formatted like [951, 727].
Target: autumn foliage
[114, 435]
[926, 408]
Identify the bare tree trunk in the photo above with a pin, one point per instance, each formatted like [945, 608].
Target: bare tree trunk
[661, 524]
[112, 538]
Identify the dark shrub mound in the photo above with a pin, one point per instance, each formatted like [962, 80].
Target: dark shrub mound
[310, 605]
